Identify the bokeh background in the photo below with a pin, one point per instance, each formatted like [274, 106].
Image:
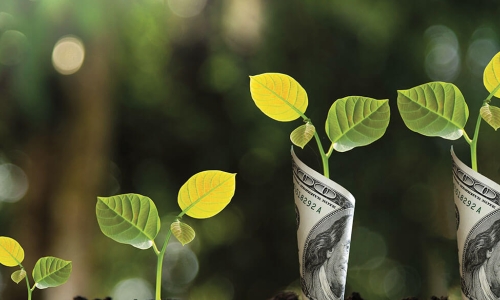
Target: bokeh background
[105, 97]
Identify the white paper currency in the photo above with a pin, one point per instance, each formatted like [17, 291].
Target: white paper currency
[324, 222]
[477, 203]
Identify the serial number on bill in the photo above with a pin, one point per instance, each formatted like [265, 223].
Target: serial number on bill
[468, 203]
[307, 202]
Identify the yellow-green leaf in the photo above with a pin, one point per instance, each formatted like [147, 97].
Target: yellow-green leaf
[279, 96]
[51, 272]
[491, 75]
[491, 114]
[206, 194]
[356, 121]
[129, 219]
[302, 135]
[183, 232]
[434, 109]
[11, 252]
[18, 275]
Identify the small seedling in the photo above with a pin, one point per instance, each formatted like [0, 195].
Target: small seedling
[48, 271]
[351, 121]
[439, 108]
[133, 219]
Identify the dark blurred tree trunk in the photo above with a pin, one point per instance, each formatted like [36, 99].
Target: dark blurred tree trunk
[67, 170]
[84, 159]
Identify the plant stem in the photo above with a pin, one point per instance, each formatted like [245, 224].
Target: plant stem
[159, 265]
[30, 290]
[473, 142]
[324, 157]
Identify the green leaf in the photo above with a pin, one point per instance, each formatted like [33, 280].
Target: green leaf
[302, 135]
[356, 121]
[206, 194]
[51, 272]
[434, 109]
[491, 114]
[11, 252]
[18, 275]
[279, 96]
[183, 232]
[129, 219]
[491, 75]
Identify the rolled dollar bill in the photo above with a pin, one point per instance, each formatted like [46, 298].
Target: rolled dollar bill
[324, 222]
[477, 210]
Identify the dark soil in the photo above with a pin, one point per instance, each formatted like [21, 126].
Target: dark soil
[353, 296]
[293, 296]
[109, 298]
[83, 298]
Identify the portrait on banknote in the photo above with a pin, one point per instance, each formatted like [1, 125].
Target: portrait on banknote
[477, 200]
[326, 256]
[481, 261]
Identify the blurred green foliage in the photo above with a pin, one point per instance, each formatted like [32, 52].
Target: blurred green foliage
[178, 102]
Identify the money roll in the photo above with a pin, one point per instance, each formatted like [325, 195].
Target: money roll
[324, 212]
[477, 203]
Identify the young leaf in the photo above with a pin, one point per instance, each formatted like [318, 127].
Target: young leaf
[51, 272]
[11, 252]
[206, 194]
[434, 109]
[491, 114]
[279, 96]
[356, 121]
[491, 75]
[18, 275]
[302, 135]
[129, 219]
[183, 232]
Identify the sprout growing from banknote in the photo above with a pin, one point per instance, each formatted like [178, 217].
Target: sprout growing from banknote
[439, 108]
[351, 122]
[133, 219]
[48, 271]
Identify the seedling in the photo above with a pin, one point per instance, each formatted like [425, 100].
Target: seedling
[48, 271]
[439, 108]
[351, 121]
[133, 219]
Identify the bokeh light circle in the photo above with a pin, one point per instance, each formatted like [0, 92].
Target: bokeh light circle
[483, 47]
[13, 183]
[68, 55]
[133, 288]
[187, 8]
[180, 266]
[13, 47]
[442, 62]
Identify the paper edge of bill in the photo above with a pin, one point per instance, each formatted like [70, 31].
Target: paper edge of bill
[339, 188]
[476, 174]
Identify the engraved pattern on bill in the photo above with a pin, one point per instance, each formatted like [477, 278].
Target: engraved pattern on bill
[325, 210]
[478, 234]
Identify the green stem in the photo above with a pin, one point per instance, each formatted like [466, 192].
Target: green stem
[30, 290]
[159, 263]
[473, 142]
[324, 157]
[467, 138]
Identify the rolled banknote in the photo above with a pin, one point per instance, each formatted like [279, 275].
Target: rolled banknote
[324, 222]
[477, 209]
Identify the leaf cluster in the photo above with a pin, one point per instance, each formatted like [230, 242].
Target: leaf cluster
[48, 272]
[439, 108]
[133, 219]
[351, 121]
[432, 109]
